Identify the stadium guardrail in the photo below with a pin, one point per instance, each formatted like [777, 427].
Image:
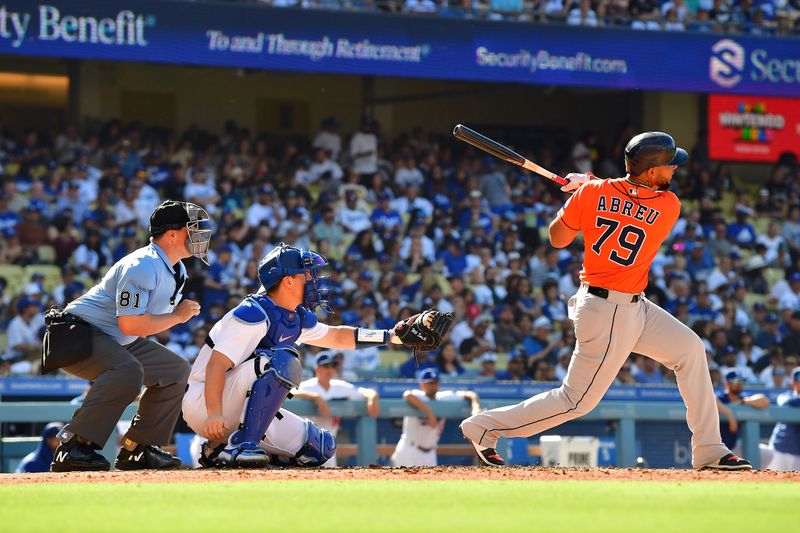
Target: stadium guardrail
[624, 414]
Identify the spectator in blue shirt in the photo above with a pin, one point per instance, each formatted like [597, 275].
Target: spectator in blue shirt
[741, 232]
[447, 361]
[386, 221]
[39, 460]
[649, 373]
[769, 334]
[454, 259]
[542, 345]
[220, 278]
[475, 214]
[515, 371]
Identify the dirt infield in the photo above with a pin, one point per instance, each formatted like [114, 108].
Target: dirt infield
[421, 474]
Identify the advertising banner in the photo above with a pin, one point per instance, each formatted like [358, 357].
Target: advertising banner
[258, 37]
[752, 128]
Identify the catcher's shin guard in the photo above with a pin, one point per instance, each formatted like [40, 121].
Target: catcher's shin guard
[319, 447]
[281, 371]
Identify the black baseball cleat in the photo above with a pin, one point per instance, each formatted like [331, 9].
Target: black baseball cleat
[75, 456]
[143, 457]
[488, 456]
[730, 462]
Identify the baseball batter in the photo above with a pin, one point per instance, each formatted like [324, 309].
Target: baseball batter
[624, 222]
[417, 444]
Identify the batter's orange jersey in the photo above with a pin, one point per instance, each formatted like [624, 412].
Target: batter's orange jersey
[623, 227]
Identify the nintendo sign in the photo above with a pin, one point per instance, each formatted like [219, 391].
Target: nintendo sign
[752, 128]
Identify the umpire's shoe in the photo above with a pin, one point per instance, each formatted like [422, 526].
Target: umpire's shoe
[77, 456]
[143, 457]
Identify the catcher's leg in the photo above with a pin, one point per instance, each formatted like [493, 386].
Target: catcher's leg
[278, 373]
[296, 441]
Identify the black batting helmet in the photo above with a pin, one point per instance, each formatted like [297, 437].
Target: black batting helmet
[652, 149]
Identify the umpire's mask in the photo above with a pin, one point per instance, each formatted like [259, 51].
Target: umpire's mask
[172, 215]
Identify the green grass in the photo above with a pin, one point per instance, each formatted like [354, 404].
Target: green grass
[393, 505]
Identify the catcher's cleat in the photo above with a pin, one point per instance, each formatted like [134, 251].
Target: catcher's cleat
[143, 457]
[729, 462]
[488, 456]
[244, 455]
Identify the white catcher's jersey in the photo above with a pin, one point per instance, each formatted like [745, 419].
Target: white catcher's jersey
[237, 340]
[416, 429]
[338, 390]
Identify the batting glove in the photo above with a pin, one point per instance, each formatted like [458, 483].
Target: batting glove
[575, 181]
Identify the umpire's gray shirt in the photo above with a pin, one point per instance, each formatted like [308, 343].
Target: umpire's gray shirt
[141, 282]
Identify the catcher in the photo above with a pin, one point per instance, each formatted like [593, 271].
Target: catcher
[248, 366]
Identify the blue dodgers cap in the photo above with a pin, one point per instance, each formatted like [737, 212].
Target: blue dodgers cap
[25, 302]
[796, 374]
[428, 375]
[794, 277]
[326, 357]
[52, 429]
[734, 376]
[772, 318]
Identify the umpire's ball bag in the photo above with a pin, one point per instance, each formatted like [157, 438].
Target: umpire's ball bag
[67, 340]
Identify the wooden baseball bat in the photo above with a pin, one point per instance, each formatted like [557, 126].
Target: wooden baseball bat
[503, 152]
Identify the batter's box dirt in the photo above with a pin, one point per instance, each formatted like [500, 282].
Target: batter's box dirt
[422, 474]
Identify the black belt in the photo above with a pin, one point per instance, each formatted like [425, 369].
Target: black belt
[603, 293]
[420, 448]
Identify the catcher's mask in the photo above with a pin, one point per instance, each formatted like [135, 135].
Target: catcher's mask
[285, 260]
[172, 215]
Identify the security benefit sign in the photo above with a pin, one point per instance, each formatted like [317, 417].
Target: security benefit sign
[752, 128]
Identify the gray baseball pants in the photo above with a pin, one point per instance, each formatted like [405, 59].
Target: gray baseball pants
[118, 374]
[607, 331]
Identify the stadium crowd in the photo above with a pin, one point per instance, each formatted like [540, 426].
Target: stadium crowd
[412, 222]
[751, 17]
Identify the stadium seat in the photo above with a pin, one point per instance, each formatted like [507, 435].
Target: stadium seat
[15, 276]
[46, 253]
[726, 203]
[773, 275]
[761, 225]
[751, 298]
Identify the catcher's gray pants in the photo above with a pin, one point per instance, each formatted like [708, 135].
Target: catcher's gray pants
[118, 374]
[607, 331]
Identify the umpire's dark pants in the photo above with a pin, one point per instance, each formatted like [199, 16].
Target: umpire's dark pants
[118, 373]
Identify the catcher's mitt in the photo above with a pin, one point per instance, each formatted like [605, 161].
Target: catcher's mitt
[424, 332]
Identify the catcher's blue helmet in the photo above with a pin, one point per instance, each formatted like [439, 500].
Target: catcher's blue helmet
[285, 260]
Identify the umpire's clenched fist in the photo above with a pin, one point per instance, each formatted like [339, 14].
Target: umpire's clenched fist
[186, 310]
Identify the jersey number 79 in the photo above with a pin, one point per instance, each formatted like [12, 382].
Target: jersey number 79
[630, 238]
